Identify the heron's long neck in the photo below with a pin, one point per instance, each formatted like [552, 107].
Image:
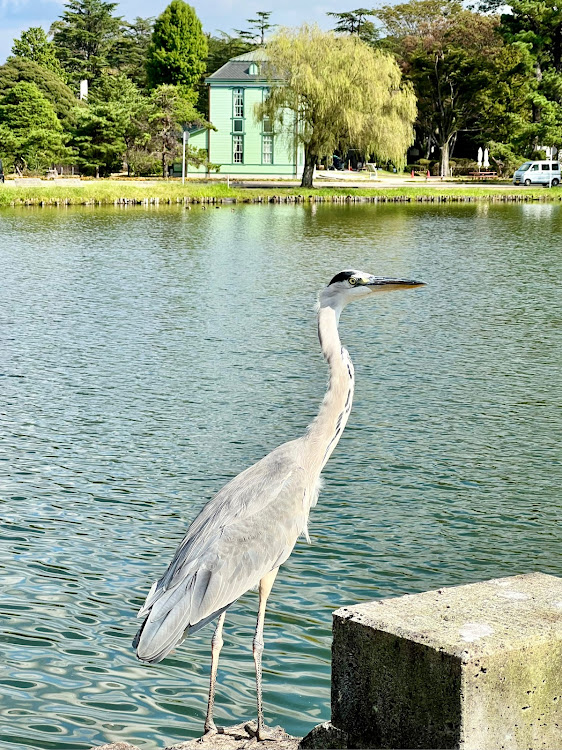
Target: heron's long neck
[325, 431]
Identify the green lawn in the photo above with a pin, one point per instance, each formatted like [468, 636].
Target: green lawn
[108, 192]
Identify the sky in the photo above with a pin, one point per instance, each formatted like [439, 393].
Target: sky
[215, 15]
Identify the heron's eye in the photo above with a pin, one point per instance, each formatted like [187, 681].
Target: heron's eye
[352, 280]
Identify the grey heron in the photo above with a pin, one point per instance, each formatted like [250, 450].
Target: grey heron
[249, 528]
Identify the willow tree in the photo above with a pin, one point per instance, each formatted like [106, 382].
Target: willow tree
[328, 91]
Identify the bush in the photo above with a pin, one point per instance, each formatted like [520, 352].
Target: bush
[504, 159]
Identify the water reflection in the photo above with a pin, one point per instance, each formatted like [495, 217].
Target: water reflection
[148, 356]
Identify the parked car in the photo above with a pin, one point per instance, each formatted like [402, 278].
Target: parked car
[538, 173]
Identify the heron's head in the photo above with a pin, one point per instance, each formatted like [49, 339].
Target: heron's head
[352, 285]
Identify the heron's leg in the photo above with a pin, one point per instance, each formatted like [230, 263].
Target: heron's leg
[216, 645]
[266, 584]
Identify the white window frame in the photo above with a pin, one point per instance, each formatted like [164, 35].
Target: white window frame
[238, 149]
[238, 103]
[267, 137]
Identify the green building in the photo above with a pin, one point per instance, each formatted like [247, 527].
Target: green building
[241, 144]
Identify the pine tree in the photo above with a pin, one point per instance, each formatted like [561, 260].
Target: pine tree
[85, 37]
[178, 49]
[34, 45]
[31, 135]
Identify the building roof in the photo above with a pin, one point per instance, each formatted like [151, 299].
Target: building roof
[238, 69]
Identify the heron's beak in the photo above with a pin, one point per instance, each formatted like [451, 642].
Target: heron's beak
[383, 283]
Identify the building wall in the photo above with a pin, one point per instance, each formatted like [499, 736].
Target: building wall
[221, 149]
[198, 140]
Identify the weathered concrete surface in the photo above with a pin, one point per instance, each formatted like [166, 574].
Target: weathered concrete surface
[239, 737]
[324, 737]
[476, 667]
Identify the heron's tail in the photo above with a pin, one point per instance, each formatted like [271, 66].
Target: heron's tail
[172, 614]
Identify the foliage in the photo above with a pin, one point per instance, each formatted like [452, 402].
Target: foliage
[30, 132]
[355, 22]
[177, 52]
[169, 111]
[465, 77]
[20, 69]
[98, 138]
[111, 126]
[34, 45]
[504, 158]
[223, 48]
[258, 27]
[130, 50]
[344, 93]
[85, 37]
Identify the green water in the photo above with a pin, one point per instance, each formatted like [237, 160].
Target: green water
[148, 356]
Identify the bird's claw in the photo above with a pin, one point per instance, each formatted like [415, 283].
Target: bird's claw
[260, 733]
[210, 731]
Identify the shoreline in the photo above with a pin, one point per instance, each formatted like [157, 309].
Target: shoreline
[152, 192]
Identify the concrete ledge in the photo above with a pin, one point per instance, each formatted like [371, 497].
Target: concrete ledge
[476, 667]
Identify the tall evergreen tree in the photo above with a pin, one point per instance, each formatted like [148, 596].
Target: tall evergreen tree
[178, 49]
[31, 136]
[356, 22]
[85, 37]
[258, 28]
[129, 54]
[170, 110]
[34, 45]
[20, 69]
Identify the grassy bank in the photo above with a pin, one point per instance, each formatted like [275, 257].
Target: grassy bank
[117, 193]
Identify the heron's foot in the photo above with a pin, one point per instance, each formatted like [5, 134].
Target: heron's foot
[260, 733]
[211, 730]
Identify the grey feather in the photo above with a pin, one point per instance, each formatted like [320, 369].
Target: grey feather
[215, 564]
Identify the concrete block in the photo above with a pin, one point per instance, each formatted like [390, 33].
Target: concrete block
[475, 667]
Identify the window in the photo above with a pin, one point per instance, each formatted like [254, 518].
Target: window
[267, 149]
[546, 167]
[253, 69]
[238, 149]
[267, 125]
[238, 126]
[535, 168]
[238, 103]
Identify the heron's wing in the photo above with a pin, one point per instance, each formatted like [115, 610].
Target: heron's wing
[248, 529]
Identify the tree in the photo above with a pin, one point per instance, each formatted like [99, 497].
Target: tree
[130, 52]
[85, 37]
[223, 48]
[169, 112]
[98, 138]
[342, 92]
[20, 69]
[355, 22]
[258, 27]
[459, 66]
[30, 132]
[537, 26]
[178, 49]
[34, 45]
[109, 125]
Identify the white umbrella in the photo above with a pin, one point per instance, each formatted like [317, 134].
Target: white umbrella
[485, 162]
[479, 157]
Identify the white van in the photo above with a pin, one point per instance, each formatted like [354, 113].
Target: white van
[538, 173]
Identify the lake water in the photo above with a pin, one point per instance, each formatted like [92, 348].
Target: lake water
[149, 356]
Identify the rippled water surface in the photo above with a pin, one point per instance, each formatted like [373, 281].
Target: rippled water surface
[149, 356]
